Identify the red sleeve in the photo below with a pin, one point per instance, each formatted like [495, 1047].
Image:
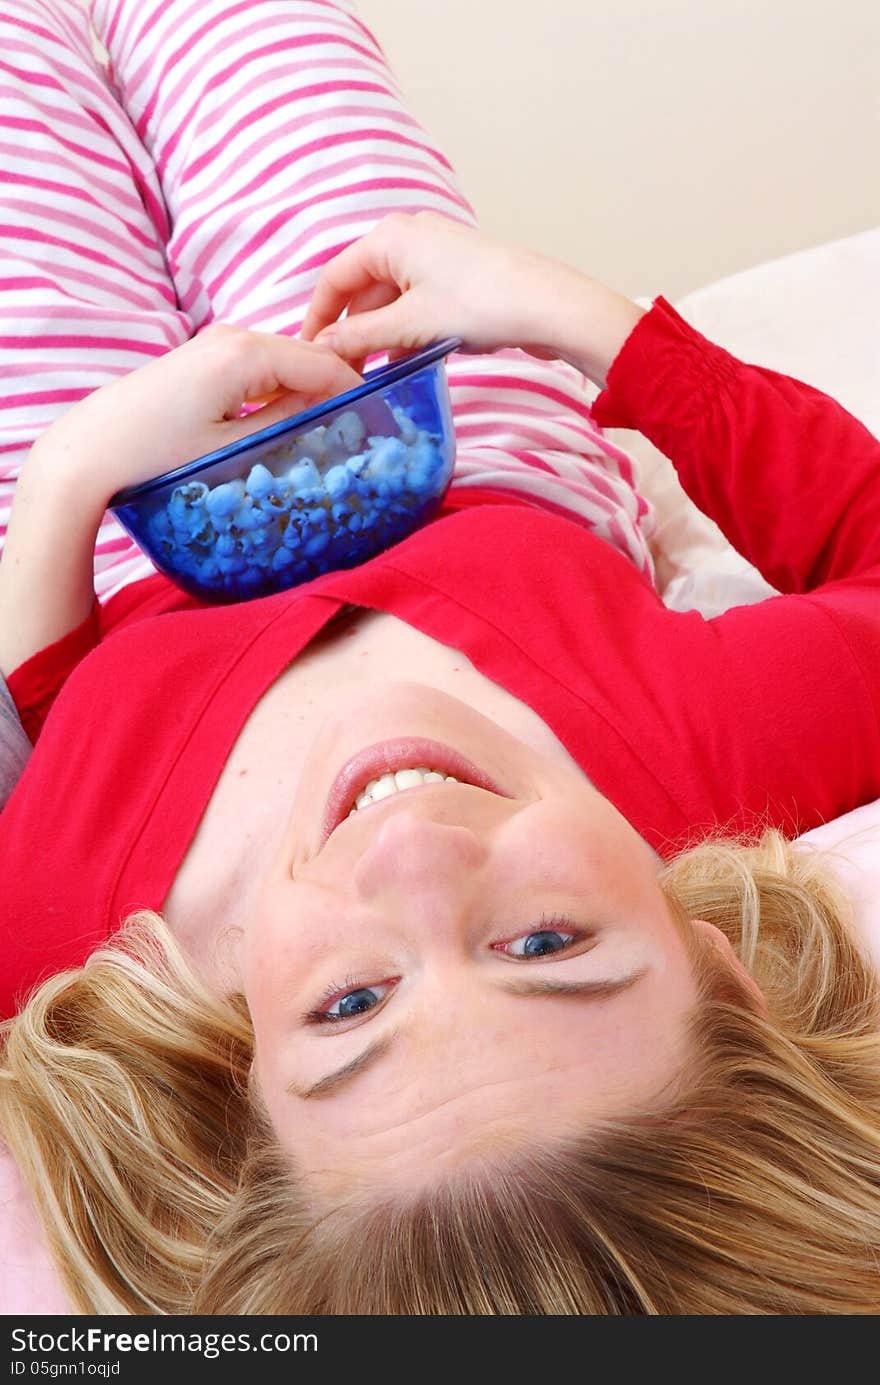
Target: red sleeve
[780, 699]
[36, 683]
[789, 476]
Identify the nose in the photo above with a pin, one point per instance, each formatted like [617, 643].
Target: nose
[418, 855]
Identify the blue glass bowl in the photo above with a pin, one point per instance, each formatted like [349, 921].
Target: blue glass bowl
[326, 489]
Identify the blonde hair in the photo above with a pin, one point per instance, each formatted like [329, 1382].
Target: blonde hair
[124, 1097]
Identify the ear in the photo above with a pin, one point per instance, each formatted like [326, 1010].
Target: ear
[722, 944]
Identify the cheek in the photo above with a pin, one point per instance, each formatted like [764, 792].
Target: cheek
[274, 954]
[617, 1056]
[580, 842]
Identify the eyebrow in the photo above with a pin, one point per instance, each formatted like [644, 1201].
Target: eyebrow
[325, 1085]
[596, 990]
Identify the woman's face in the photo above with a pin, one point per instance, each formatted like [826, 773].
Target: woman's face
[458, 966]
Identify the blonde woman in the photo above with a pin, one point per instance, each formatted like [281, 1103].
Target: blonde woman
[440, 1018]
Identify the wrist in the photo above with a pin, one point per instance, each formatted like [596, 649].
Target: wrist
[46, 586]
[54, 478]
[587, 323]
[599, 321]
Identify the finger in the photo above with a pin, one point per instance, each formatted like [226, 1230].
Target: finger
[261, 400]
[389, 329]
[306, 368]
[370, 300]
[284, 406]
[353, 271]
[262, 366]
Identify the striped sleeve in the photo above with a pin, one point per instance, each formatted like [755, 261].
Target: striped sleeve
[85, 293]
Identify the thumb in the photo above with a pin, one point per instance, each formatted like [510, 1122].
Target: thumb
[362, 334]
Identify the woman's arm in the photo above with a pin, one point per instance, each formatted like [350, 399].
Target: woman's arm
[434, 278]
[46, 569]
[522, 428]
[183, 405]
[790, 477]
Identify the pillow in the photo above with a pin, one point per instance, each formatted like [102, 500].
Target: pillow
[812, 315]
[853, 843]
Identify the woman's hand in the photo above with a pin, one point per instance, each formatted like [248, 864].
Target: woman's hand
[413, 280]
[184, 404]
[177, 408]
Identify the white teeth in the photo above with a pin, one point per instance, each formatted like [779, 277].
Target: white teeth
[385, 787]
[408, 778]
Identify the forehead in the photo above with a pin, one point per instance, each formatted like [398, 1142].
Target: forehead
[503, 1080]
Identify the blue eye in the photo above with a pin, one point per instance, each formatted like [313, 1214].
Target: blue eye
[539, 944]
[355, 1003]
[358, 1001]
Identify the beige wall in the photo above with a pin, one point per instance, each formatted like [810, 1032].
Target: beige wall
[658, 144]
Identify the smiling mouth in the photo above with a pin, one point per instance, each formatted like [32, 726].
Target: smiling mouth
[397, 782]
[392, 767]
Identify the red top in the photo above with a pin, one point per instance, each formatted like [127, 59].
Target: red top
[767, 714]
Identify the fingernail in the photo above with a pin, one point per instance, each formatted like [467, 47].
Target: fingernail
[329, 337]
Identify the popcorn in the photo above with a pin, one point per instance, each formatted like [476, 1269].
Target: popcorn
[260, 483]
[186, 507]
[408, 428]
[357, 463]
[223, 500]
[314, 443]
[281, 559]
[284, 523]
[345, 433]
[388, 455]
[315, 545]
[338, 480]
[304, 475]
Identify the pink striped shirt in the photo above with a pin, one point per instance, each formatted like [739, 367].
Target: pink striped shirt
[208, 171]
